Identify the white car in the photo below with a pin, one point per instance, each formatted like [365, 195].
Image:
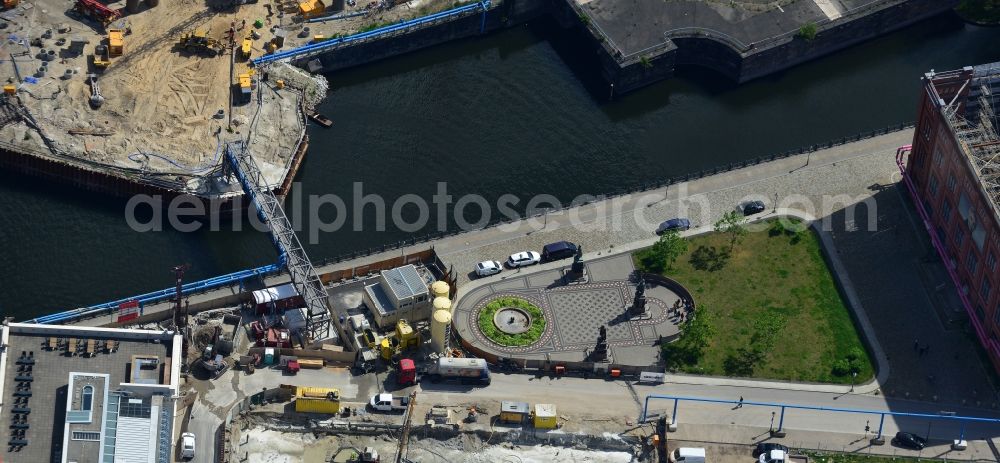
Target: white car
[187, 445]
[488, 267]
[523, 259]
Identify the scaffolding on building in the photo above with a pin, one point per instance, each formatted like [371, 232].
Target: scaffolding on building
[976, 129]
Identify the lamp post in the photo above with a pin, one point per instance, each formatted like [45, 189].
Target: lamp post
[854, 375]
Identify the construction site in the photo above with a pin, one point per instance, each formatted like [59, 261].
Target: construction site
[147, 93]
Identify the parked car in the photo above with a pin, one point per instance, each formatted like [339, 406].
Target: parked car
[688, 455]
[770, 452]
[386, 402]
[765, 447]
[752, 207]
[558, 250]
[679, 224]
[523, 259]
[488, 267]
[187, 445]
[909, 440]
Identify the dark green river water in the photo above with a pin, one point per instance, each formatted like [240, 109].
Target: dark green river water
[513, 112]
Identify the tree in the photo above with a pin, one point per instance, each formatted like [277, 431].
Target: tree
[696, 334]
[807, 31]
[669, 247]
[733, 224]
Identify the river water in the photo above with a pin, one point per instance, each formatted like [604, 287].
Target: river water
[520, 111]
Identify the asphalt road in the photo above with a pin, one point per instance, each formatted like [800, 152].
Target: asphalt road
[827, 429]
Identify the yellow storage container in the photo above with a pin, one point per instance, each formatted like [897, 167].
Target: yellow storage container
[9, 89]
[317, 400]
[245, 82]
[513, 412]
[545, 416]
[311, 8]
[116, 42]
[246, 47]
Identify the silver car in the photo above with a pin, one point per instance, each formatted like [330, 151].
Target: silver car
[523, 259]
[488, 267]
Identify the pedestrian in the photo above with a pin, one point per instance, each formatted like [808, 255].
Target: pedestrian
[916, 345]
[740, 403]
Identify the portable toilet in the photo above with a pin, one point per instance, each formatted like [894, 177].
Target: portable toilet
[545, 416]
[514, 412]
[440, 289]
[269, 356]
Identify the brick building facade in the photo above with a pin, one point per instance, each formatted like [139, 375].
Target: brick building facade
[953, 172]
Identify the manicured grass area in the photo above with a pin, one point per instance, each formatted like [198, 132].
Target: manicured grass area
[985, 12]
[773, 308]
[488, 328]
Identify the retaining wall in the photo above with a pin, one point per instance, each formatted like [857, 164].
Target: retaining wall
[501, 15]
[744, 62]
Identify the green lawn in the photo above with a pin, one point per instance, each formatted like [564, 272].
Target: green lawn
[773, 282]
[490, 330]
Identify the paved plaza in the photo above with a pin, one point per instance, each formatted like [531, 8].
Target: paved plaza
[575, 312]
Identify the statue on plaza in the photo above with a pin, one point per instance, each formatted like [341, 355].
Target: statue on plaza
[600, 352]
[639, 302]
[577, 267]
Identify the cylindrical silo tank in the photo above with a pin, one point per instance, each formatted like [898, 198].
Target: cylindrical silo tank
[440, 329]
[442, 303]
[440, 289]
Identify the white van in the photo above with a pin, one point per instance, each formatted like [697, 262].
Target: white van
[688, 455]
[187, 446]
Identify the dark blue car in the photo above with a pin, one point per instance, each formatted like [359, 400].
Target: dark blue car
[679, 224]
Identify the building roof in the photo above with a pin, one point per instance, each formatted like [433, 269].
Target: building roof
[381, 300]
[969, 98]
[274, 293]
[405, 281]
[59, 426]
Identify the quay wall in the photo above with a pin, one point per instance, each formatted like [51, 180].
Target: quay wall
[737, 61]
[500, 15]
[120, 184]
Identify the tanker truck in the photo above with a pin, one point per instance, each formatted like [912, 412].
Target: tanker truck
[465, 370]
